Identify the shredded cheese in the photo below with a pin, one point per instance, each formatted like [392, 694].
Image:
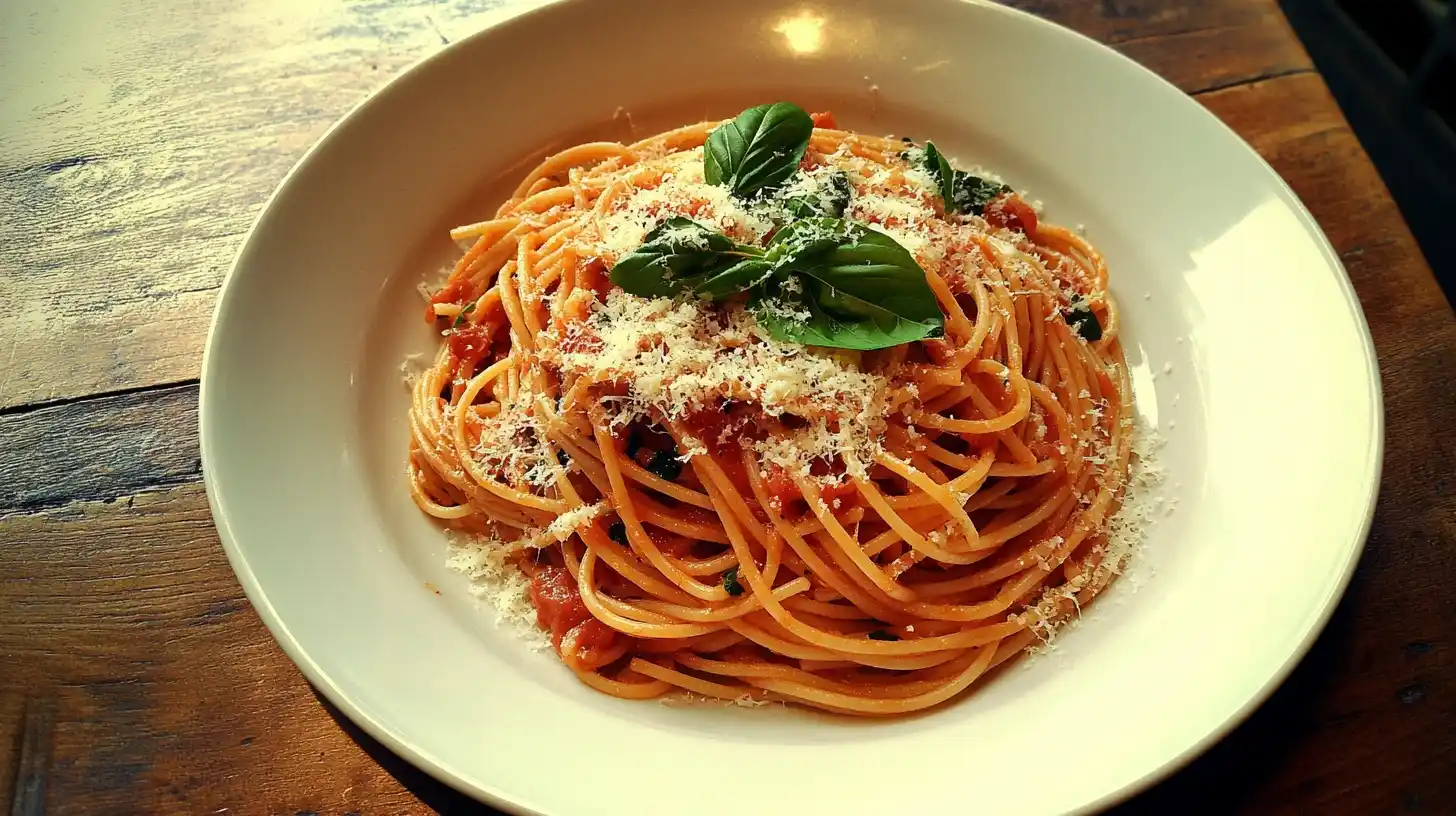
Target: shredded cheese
[494, 580]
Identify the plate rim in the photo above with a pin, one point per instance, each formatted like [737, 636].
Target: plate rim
[516, 11]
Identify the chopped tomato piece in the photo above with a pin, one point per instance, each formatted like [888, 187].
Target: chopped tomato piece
[593, 275]
[1010, 212]
[824, 119]
[559, 610]
[469, 344]
[449, 293]
[580, 340]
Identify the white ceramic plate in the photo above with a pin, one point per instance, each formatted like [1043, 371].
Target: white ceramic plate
[1250, 352]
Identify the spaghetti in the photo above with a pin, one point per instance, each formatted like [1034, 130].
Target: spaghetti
[705, 507]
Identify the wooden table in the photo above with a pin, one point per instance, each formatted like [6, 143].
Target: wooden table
[139, 139]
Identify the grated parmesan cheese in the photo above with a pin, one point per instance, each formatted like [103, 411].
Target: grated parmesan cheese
[681, 192]
[679, 357]
[494, 580]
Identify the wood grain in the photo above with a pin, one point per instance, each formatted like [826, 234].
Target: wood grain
[134, 676]
[166, 693]
[103, 448]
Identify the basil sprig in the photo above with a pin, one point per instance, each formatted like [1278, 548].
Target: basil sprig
[962, 192]
[759, 150]
[681, 256]
[845, 286]
[821, 281]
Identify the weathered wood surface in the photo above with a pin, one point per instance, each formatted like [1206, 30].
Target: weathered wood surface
[137, 142]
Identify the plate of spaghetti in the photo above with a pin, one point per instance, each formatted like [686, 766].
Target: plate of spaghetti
[849, 433]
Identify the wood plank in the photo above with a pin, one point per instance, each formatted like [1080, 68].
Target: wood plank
[102, 448]
[162, 686]
[122, 205]
[154, 140]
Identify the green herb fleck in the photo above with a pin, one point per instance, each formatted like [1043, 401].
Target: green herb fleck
[665, 465]
[464, 314]
[730, 582]
[971, 194]
[938, 166]
[1081, 317]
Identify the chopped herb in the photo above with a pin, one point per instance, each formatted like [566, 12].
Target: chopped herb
[1081, 317]
[665, 465]
[617, 532]
[881, 634]
[563, 457]
[730, 582]
[971, 194]
[464, 314]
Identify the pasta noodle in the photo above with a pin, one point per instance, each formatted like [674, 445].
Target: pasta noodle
[704, 507]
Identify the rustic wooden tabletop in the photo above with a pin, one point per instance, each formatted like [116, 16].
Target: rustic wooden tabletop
[138, 140]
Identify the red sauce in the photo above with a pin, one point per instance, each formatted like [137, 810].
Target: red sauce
[1010, 212]
[940, 352]
[724, 427]
[468, 345]
[559, 609]
[579, 340]
[452, 292]
[593, 275]
[824, 119]
[785, 493]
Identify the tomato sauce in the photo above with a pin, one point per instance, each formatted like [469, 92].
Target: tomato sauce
[560, 610]
[1010, 212]
[469, 344]
[784, 492]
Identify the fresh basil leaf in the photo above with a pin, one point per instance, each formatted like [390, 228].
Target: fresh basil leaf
[801, 240]
[842, 285]
[732, 275]
[831, 200]
[677, 256]
[961, 191]
[759, 150]
[939, 169]
[971, 194]
[730, 582]
[1080, 316]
